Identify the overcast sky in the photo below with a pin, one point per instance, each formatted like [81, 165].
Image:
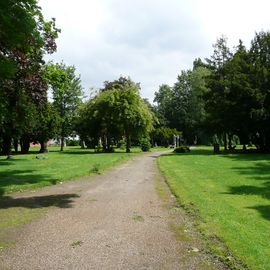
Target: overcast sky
[149, 40]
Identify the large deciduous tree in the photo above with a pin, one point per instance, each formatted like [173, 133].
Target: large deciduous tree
[24, 39]
[67, 94]
[117, 111]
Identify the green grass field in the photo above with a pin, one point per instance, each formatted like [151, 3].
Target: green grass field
[26, 172]
[229, 197]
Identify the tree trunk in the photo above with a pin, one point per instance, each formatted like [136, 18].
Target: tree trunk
[225, 142]
[6, 147]
[62, 140]
[15, 145]
[82, 144]
[25, 145]
[230, 141]
[128, 146]
[43, 147]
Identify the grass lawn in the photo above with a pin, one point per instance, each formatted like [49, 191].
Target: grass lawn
[229, 195]
[27, 172]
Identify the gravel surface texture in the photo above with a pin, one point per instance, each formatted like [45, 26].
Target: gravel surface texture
[116, 220]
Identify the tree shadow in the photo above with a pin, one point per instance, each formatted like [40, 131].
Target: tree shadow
[57, 200]
[17, 178]
[263, 191]
[90, 152]
[248, 156]
[264, 210]
[259, 171]
[193, 152]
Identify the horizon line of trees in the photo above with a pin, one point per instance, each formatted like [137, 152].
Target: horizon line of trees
[223, 99]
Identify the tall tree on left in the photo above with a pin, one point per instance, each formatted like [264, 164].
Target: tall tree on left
[25, 37]
[67, 93]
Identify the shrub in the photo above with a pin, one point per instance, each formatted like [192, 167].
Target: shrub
[95, 168]
[72, 142]
[145, 144]
[181, 149]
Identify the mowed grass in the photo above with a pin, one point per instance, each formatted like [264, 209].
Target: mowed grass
[25, 172]
[230, 197]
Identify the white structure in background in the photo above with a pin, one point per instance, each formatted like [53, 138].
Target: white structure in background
[176, 141]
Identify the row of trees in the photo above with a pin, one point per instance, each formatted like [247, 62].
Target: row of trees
[115, 114]
[227, 95]
[26, 115]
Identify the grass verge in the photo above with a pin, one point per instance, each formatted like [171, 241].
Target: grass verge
[228, 197]
[24, 172]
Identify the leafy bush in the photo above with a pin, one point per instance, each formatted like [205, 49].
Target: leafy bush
[98, 149]
[145, 144]
[73, 143]
[181, 149]
[95, 168]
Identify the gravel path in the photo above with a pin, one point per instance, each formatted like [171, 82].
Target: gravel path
[112, 221]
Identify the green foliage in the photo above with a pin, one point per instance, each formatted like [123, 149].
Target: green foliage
[113, 114]
[67, 92]
[182, 149]
[70, 142]
[145, 144]
[25, 38]
[237, 101]
[95, 168]
[163, 136]
[181, 107]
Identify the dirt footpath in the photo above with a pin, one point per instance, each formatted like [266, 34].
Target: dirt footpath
[123, 219]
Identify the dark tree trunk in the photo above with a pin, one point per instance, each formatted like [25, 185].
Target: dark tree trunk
[225, 142]
[128, 146]
[62, 142]
[15, 145]
[82, 144]
[6, 147]
[104, 143]
[25, 145]
[43, 147]
[230, 141]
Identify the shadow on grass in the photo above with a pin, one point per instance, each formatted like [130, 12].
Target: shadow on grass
[90, 152]
[57, 200]
[263, 191]
[15, 178]
[193, 152]
[256, 172]
[264, 210]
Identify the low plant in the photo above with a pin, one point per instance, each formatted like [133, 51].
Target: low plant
[182, 149]
[95, 168]
[145, 144]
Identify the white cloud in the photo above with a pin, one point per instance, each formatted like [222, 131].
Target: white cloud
[148, 40]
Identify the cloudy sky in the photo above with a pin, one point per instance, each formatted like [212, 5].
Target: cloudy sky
[149, 40]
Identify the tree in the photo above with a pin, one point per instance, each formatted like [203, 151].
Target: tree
[260, 57]
[163, 136]
[116, 113]
[47, 126]
[217, 84]
[67, 92]
[24, 39]
[164, 109]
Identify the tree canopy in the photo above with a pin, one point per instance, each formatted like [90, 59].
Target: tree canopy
[116, 113]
